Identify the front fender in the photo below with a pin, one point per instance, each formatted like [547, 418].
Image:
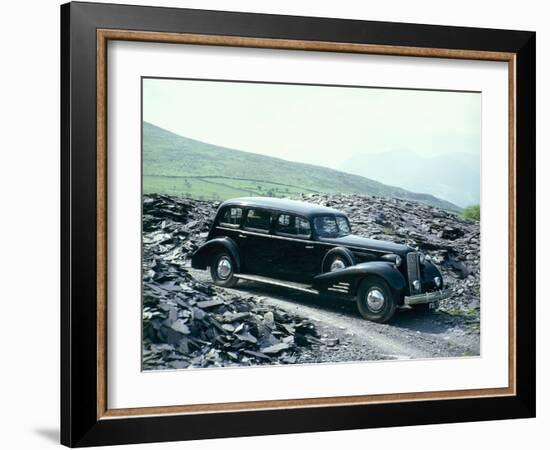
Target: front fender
[353, 275]
[429, 271]
[203, 255]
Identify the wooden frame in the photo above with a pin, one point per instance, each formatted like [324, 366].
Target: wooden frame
[86, 418]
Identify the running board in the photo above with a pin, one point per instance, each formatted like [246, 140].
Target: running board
[287, 284]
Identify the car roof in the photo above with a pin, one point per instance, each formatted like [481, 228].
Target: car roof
[282, 204]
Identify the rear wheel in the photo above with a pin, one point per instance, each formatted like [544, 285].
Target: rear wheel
[375, 300]
[222, 270]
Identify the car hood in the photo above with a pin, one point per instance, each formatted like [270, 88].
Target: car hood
[352, 240]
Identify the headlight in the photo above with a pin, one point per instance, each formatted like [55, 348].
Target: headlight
[437, 281]
[416, 285]
[422, 258]
[428, 258]
[393, 258]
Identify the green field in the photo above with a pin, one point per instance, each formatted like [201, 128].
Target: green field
[180, 166]
[215, 188]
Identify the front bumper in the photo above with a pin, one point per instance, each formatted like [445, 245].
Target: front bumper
[428, 297]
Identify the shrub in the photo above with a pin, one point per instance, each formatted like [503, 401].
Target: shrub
[471, 212]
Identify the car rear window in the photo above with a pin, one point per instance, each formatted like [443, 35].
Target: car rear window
[232, 217]
[258, 219]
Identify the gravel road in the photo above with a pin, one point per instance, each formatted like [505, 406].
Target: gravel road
[410, 335]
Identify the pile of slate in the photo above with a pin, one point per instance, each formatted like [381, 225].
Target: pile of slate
[189, 324]
[450, 240]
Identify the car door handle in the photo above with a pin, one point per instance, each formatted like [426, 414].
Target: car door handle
[310, 246]
[243, 236]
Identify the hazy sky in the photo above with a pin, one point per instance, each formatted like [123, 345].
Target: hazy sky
[315, 124]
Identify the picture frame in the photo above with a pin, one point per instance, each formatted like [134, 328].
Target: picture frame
[86, 418]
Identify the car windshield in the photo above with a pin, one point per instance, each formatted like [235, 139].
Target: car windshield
[331, 226]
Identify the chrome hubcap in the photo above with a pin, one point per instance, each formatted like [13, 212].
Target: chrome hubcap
[375, 299]
[224, 267]
[337, 264]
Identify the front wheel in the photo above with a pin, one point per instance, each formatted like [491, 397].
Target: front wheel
[375, 300]
[222, 270]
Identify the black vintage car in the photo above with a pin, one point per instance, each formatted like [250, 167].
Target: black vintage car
[311, 248]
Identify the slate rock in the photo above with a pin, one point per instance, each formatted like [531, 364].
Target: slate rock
[277, 348]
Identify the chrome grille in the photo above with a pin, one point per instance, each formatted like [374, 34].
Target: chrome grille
[413, 269]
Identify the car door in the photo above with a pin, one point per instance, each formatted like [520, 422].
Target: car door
[311, 254]
[296, 252]
[255, 242]
[285, 248]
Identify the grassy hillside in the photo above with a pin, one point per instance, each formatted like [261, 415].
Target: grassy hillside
[177, 165]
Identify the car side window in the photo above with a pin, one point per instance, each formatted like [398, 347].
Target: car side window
[258, 219]
[287, 224]
[343, 225]
[303, 227]
[326, 226]
[232, 217]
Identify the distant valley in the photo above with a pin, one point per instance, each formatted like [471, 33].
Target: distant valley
[453, 177]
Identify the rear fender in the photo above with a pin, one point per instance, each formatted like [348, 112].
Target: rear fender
[203, 255]
[350, 278]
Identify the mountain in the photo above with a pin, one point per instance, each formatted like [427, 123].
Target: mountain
[177, 165]
[453, 177]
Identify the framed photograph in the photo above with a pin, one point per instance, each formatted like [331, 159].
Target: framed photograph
[277, 224]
